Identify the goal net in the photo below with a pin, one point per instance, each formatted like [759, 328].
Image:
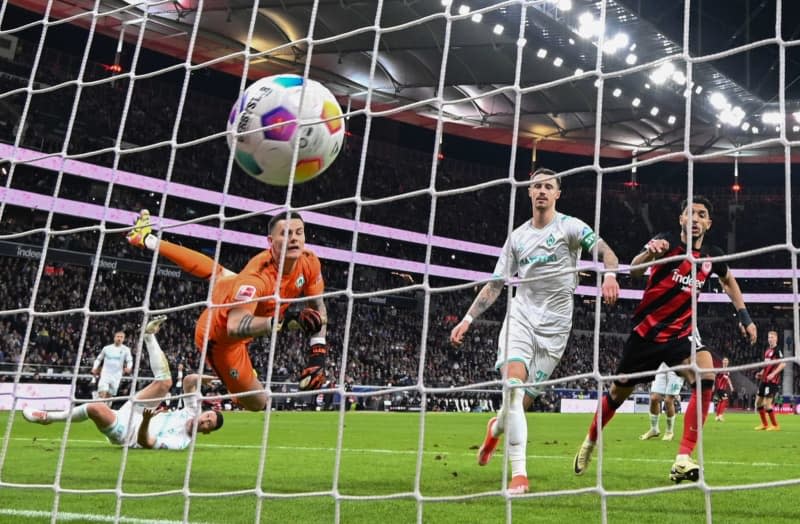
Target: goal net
[109, 107]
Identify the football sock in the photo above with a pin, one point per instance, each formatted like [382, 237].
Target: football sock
[723, 405]
[654, 422]
[608, 407]
[76, 414]
[690, 429]
[671, 424]
[763, 416]
[499, 426]
[158, 361]
[189, 260]
[772, 417]
[517, 429]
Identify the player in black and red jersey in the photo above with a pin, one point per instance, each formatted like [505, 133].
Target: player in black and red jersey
[769, 381]
[662, 330]
[723, 387]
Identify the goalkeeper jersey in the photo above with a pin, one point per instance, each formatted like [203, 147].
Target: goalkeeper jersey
[550, 255]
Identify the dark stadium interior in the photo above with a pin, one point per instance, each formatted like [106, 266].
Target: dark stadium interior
[398, 162]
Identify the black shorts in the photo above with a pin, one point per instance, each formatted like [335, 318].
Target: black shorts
[767, 390]
[640, 355]
[721, 395]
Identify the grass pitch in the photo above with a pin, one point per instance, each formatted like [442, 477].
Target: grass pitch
[379, 459]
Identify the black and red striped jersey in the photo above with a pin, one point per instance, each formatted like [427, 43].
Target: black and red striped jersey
[665, 312]
[772, 354]
[723, 382]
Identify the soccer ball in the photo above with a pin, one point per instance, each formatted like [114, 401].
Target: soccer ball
[267, 122]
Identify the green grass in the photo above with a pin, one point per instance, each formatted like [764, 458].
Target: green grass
[379, 458]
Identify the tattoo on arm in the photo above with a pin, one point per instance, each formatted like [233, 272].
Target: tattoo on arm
[607, 255]
[243, 329]
[486, 297]
[319, 304]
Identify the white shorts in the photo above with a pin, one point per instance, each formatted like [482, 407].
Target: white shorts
[667, 383]
[539, 352]
[108, 385]
[126, 426]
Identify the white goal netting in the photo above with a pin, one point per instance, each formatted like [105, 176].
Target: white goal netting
[112, 106]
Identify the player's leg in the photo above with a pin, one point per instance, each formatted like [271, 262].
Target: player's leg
[763, 392]
[233, 366]
[768, 408]
[674, 385]
[159, 365]
[637, 355]
[684, 467]
[189, 260]
[657, 390]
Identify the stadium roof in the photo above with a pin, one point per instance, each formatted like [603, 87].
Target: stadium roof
[734, 99]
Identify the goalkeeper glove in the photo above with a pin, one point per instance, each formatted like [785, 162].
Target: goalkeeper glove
[313, 376]
[309, 320]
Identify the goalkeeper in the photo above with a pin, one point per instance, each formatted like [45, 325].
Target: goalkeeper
[229, 330]
[136, 424]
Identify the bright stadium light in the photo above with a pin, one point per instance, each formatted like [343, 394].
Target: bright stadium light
[445, 3]
[796, 116]
[578, 71]
[498, 29]
[542, 53]
[588, 26]
[617, 92]
[671, 120]
[654, 111]
[698, 90]
[795, 128]
[636, 102]
[679, 78]
[732, 116]
[464, 10]
[477, 17]
[664, 71]
[745, 126]
[564, 5]
[558, 61]
[754, 129]
[631, 59]
[771, 118]
[571, 41]
[718, 100]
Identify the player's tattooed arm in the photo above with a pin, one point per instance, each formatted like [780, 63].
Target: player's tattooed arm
[607, 255]
[243, 324]
[486, 297]
[319, 304]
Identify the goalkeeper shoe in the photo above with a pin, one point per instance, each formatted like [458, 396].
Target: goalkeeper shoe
[141, 229]
[583, 457]
[518, 485]
[154, 325]
[37, 416]
[650, 434]
[684, 468]
[489, 445]
[669, 435]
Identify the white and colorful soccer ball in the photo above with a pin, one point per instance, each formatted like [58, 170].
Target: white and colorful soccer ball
[267, 121]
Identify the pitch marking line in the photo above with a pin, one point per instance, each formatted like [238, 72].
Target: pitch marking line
[82, 517]
[413, 452]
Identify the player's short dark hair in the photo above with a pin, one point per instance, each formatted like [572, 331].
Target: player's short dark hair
[548, 172]
[220, 420]
[286, 215]
[699, 199]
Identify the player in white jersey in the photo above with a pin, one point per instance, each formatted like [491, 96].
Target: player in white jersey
[136, 424]
[115, 359]
[665, 388]
[535, 331]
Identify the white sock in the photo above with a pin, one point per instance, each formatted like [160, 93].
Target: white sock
[517, 428]
[76, 414]
[670, 423]
[151, 242]
[158, 361]
[654, 422]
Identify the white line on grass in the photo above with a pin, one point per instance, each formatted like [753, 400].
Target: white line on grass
[90, 517]
[414, 452]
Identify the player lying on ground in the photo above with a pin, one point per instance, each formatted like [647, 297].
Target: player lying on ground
[135, 424]
[662, 331]
[535, 332]
[232, 328]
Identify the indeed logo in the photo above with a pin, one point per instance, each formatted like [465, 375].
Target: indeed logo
[686, 281]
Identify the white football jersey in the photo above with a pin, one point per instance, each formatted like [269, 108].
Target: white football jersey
[169, 427]
[114, 359]
[550, 255]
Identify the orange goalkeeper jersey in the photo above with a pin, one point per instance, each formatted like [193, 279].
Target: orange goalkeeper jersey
[258, 279]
